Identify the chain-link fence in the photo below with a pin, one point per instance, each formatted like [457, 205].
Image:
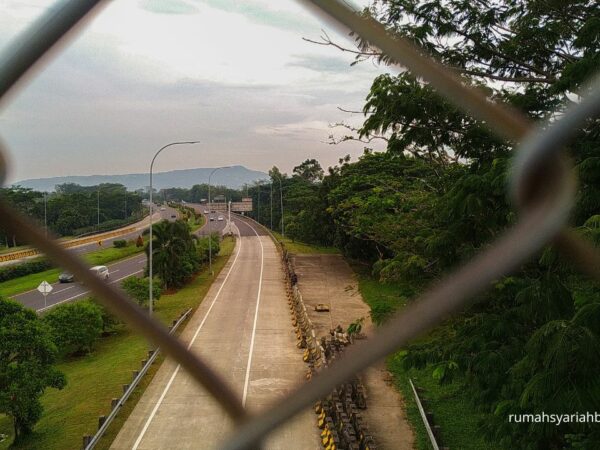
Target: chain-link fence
[542, 185]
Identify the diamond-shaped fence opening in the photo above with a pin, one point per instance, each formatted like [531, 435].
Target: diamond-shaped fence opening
[542, 185]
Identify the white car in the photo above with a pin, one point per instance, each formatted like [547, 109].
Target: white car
[220, 219]
[206, 211]
[101, 271]
[163, 208]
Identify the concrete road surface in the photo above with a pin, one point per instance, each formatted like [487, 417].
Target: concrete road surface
[243, 330]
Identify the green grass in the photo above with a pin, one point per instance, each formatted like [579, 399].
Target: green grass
[98, 257]
[450, 404]
[97, 378]
[300, 247]
[196, 223]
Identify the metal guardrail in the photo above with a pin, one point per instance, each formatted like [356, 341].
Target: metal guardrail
[432, 438]
[93, 440]
[68, 244]
[542, 185]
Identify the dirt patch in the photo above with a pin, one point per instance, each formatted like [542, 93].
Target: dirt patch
[329, 279]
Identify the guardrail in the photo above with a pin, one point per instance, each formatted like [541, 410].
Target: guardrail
[427, 419]
[68, 244]
[89, 442]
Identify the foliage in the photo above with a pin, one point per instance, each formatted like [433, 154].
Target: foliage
[139, 289]
[22, 269]
[175, 256]
[27, 355]
[355, 327]
[73, 209]
[75, 326]
[120, 243]
[139, 242]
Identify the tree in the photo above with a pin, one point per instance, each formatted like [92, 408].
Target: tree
[27, 355]
[310, 170]
[75, 326]
[175, 258]
[138, 289]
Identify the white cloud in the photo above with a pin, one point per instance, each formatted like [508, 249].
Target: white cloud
[236, 74]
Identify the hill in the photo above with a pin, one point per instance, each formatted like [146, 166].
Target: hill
[234, 177]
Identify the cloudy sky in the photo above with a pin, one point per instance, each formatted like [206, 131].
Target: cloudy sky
[234, 74]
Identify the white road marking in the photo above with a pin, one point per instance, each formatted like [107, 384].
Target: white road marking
[62, 290]
[249, 365]
[84, 292]
[142, 261]
[168, 386]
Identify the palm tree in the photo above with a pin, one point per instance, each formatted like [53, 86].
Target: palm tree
[174, 252]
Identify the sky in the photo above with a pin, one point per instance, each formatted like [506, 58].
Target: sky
[233, 74]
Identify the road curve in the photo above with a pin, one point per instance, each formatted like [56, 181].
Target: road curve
[243, 330]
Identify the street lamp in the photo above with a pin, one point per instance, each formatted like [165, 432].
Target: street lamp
[209, 213]
[46, 213]
[281, 197]
[150, 293]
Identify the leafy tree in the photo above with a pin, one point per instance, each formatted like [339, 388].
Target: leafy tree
[310, 170]
[139, 289]
[175, 258]
[75, 326]
[27, 355]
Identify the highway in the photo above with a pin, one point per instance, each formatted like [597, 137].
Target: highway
[65, 292]
[243, 330]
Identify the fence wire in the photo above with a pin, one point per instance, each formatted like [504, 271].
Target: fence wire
[542, 184]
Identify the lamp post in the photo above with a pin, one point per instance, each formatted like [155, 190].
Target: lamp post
[271, 214]
[281, 197]
[98, 223]
[46, 213]
[150, 292]
[209, 215]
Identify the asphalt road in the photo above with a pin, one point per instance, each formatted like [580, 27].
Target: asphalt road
[64, 292]
[243, 331]
[92, 246]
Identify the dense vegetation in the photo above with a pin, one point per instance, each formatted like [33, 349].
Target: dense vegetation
[435, 195]
[73, 209]
[27, 355]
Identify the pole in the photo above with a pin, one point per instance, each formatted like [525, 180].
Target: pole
[258, 208]
[281, 197]
[151, 251]
[98, 225]
[209, 216]
[271, 214]
[46, 213]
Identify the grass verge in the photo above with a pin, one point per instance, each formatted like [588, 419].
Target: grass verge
[449, 403]
[28, 282]
[302, 248]
[97, 378]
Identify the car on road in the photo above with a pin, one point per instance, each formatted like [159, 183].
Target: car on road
[162, 208]
[220, 219]
[173, 216]
[212, 219]
[206, 211]
[101, 271]
[66, 277]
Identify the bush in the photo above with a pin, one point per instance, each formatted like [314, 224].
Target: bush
[75, 326]
[20, 270]
[202, 247]
[138, 289]
[120, 243]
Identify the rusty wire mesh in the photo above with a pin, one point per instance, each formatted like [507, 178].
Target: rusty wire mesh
[542, 185]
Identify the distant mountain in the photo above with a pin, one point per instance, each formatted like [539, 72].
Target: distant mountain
[234, 177]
